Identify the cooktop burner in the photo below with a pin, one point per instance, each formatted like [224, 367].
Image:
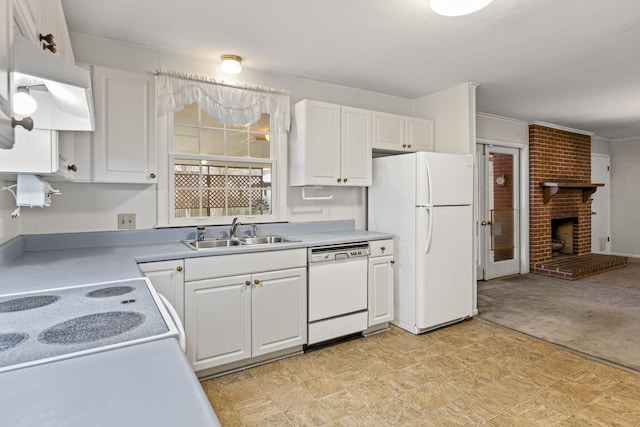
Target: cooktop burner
[111, 291]
[48, 325]
[27, 303]
[91, 328]
[8, 341]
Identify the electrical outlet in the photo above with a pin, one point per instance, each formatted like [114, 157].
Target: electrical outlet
[126, 221]
[329, 212]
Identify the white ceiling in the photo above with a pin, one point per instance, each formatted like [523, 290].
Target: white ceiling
[574, 63]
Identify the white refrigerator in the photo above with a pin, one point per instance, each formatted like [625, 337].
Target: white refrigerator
[425, 200]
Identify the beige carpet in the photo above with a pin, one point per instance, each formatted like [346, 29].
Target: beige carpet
[598, 315]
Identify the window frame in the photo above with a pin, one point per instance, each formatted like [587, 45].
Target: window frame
[278, 161]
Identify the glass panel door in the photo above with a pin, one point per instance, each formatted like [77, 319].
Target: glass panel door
[498, 222]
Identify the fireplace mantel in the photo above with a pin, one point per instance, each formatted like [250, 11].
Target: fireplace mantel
[551, 188]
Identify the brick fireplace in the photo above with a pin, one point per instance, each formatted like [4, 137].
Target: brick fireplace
[558, 156]
[560, 191]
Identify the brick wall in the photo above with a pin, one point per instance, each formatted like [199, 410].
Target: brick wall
[557, 155]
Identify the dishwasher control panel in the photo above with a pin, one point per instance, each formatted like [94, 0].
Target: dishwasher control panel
[337, 252]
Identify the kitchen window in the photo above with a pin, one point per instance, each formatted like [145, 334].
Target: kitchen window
[220, 171]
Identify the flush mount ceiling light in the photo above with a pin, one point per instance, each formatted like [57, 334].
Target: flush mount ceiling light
[23, 102]
[457, 7]
[231, 64]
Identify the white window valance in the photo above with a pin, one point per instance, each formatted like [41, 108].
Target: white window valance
[229, 104]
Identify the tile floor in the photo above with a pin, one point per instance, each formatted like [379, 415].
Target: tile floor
[468, 374]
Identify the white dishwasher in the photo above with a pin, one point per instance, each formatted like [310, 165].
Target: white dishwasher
[337, 290]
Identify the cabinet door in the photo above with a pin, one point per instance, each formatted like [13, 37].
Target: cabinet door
[27, 14]
[324, 140]
[6, 89]
[52, 21]
[167, 277]
[420, 134]
[279, 310]
[218, 321]
[356, 146]
[388, 131]
[320, 133]
[380, 290]
[125, 136]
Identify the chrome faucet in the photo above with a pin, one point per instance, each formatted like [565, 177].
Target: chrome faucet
[201, 233]
[234, 226]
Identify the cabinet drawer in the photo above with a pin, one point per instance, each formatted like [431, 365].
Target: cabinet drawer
[381, 247]
[255, 262]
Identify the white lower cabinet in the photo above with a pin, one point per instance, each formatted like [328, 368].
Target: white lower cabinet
[241, 307]
[381, 282]
[167, 277]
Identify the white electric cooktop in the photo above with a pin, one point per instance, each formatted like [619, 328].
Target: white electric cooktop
[48, 325]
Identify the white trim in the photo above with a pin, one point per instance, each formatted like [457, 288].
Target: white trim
[524, 197]
[498, 143]
[628, 139]
[507, 119]
[559, 127]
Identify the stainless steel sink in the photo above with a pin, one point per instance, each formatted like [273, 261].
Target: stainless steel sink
[265, 240]
[212, 243]
[236, 241]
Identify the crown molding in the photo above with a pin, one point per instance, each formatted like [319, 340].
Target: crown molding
[567, 129]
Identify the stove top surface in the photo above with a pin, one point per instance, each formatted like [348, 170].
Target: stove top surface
[38, 327]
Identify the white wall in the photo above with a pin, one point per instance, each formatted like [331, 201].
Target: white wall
[9, 227]
[625, 196]
[454, 113]
[94, 207]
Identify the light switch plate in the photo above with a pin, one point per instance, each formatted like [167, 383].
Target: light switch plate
[126, 221]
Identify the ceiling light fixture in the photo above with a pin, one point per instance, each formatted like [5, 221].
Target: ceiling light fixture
[457, 7]
[231, 64]
[23, 102]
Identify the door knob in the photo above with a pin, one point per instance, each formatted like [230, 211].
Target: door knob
[248, 283]
[483, 223]
[594, 213]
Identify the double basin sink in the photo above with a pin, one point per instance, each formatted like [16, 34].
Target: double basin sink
[236, 241]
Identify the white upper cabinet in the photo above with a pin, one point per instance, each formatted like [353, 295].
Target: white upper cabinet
[43, 22]
[420, 134]
[124, 142]
[331, 145]
[392, 132]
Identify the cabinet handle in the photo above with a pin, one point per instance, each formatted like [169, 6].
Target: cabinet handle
[382, 248]
[392, 262]
[49, 43]
[152, 175]
[404, 145]
[248, 283]
[257, 282]
[339, 179]
[344, 180]
[409, 145]
[72, 168]
[48, 38]
[179, 268]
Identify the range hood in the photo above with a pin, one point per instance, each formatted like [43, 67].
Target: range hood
[61, 90]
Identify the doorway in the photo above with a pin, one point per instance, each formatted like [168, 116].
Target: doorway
[498, 222]
[600, 225]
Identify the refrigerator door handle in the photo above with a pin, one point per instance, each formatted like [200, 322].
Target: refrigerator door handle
[429, 211]
[428, 167]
